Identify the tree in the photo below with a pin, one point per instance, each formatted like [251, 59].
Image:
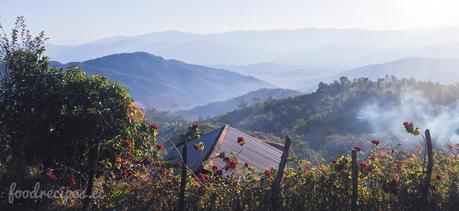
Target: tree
[61, 122]
[242, 104]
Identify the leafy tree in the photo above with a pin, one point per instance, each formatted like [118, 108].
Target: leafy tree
[62, 123]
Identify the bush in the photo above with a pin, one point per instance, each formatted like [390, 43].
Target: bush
[56, 125]
[388, 180]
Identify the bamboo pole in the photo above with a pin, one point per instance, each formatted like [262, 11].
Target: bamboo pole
[276, 200]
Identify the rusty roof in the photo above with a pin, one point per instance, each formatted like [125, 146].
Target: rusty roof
[255, 152]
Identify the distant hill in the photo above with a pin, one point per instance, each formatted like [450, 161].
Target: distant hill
[169, 84]
[218, 108]
[425, 69]
[442, 70]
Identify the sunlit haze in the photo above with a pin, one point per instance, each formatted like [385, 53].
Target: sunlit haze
[73, 22]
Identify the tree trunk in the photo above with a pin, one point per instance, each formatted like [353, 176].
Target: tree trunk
[92, 164]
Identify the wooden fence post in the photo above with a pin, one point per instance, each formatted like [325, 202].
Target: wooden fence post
[184, 169]
[430, 164]
[276, 201]
[355, 174]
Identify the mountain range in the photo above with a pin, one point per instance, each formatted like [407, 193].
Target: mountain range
[310, 48]
[169, 84]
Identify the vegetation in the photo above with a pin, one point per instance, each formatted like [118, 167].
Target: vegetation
[221, 107]
[58, 125]
[74, 132]
[388, 180]
[324, 122]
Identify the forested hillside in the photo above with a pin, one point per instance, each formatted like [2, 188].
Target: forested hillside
[336, 114]
[221, 107]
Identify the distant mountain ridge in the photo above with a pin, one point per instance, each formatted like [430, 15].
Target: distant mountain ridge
[444, 70]
[441, 70]
[214, 109]
[311, 48]
[169, 84]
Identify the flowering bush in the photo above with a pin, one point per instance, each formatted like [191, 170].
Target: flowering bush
[385, 183]
[389, 179]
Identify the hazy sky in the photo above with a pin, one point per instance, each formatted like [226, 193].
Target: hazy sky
[75, 21]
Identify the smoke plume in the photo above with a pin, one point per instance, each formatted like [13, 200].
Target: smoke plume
[387, 117]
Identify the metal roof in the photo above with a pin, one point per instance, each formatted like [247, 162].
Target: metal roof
[255, 152]
[195, 158]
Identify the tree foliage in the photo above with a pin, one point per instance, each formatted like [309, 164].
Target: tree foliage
[53, 120]
[324, 119]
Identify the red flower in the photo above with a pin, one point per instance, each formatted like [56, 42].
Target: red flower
[127, 143]
[246, 165]
[437, 176]
[51, 176]
[72, 179]
[409, 127]
[162, 170]
[232, 164]
[399, 162]
[159, 146]
[170, 178]
[214, 168]
[241, 141]
[178, 165]
[195, 126]
[375, 142]
[203, 177]
[154, 126]
[357, 148]
[334, 161]
[268, 172]
[364, 166]
[408, 124]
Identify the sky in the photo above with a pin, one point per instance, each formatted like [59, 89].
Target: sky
[78, 21]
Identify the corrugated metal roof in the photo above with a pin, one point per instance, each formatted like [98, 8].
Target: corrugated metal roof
[255, 152]
[195, 158]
